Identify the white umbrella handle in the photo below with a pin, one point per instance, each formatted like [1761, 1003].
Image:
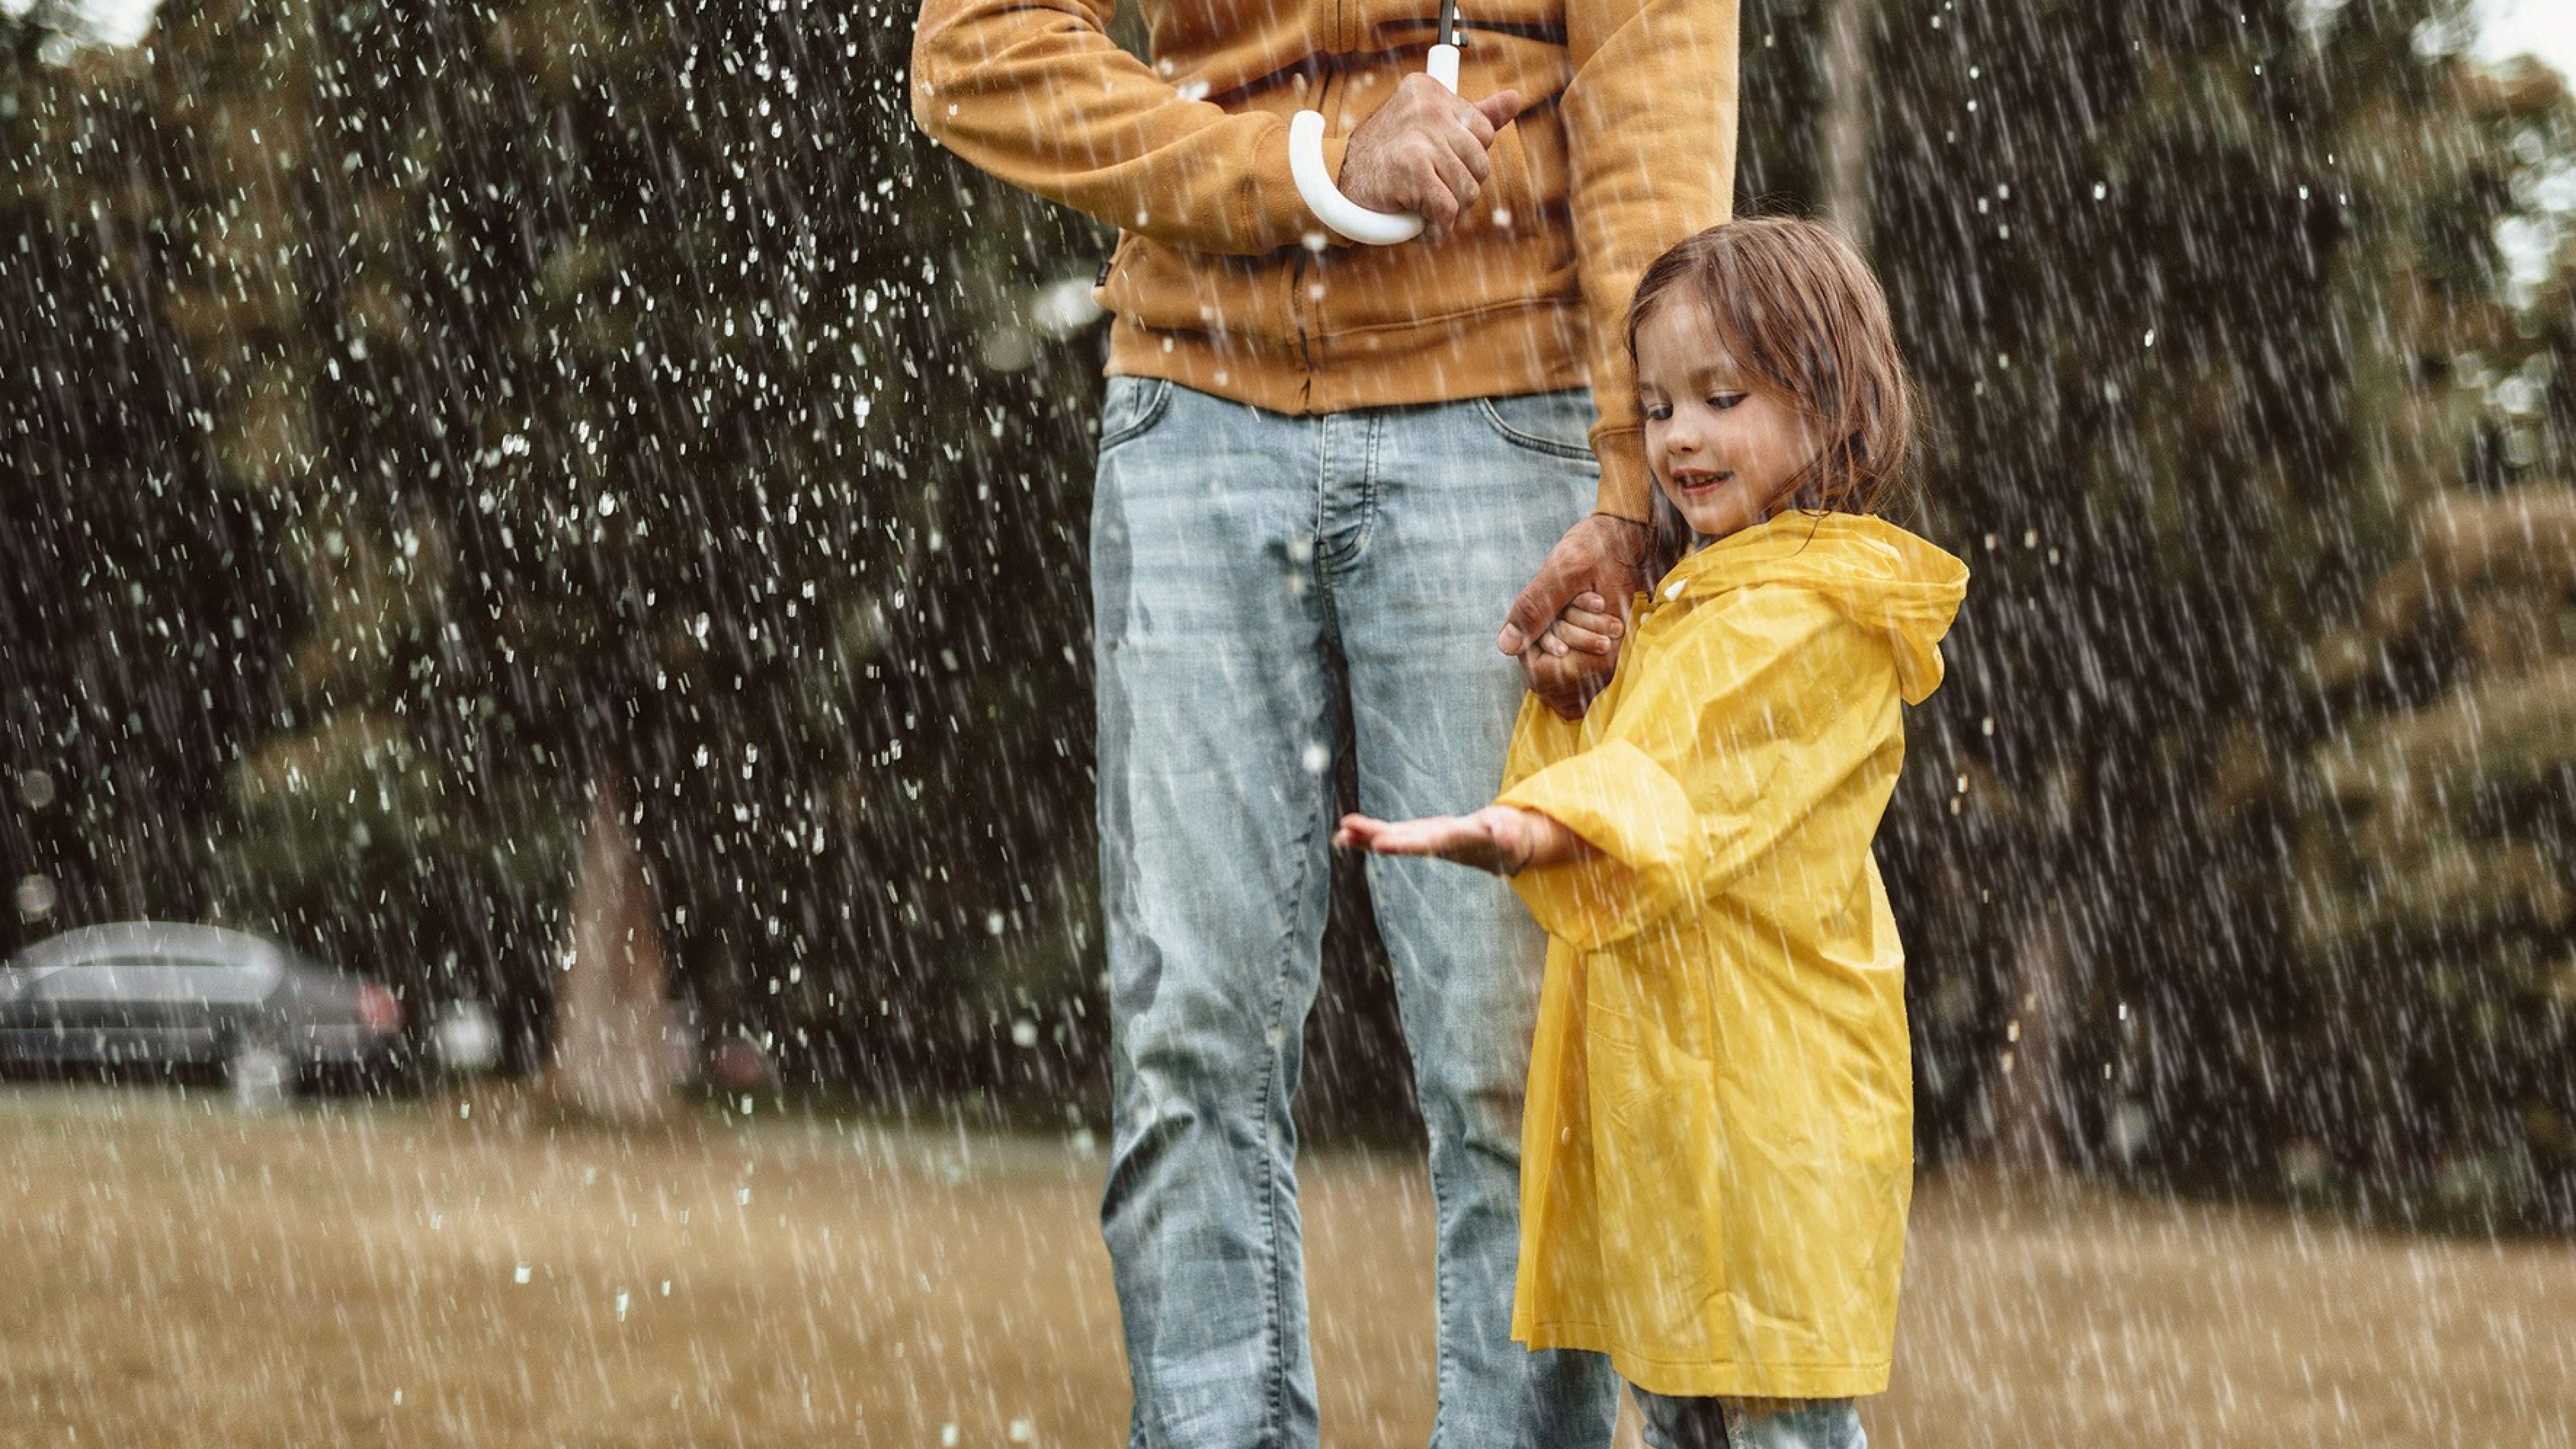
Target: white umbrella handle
[1315, 184]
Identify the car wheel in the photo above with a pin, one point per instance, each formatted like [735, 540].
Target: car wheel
[258, 1075]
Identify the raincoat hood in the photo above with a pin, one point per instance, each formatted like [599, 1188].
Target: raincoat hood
[1879, 575]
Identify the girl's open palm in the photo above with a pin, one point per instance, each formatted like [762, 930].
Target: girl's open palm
[1492, 839]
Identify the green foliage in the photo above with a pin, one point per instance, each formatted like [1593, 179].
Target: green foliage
[141, 602]
[2205, 303]
[440, 409]
[605, 379]
[2427, 808]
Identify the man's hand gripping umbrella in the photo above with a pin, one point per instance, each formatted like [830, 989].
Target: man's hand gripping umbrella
[1420, 159]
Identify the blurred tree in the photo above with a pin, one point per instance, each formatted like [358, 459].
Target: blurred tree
[2432, 820]
[141, 605]
[2137, 252]
[2184, 285]
[444, 413]
[637, 403]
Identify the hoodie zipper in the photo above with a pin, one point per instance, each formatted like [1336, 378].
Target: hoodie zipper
[1297, 274]
[1297, 314]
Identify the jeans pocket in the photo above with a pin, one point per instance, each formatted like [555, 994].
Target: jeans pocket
[1554, 424]
[1131, 408]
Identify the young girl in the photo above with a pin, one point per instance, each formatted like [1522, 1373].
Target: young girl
[1717, 1150]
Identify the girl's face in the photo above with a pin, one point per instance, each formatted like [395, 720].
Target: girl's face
[1725, 452]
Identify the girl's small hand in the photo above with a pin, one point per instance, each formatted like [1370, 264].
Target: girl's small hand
[1587, 624]
[1495, 838]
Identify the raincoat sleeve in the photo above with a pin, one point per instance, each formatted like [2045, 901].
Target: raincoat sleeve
[1760, 705]
[1035, 92]
[1649, 118]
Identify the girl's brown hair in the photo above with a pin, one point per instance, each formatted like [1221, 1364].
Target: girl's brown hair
[1800, 314]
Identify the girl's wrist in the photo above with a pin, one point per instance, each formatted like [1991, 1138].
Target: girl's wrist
[1537, 839]
[1514, 836]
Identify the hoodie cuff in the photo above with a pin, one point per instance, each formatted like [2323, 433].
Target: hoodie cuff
[1638, 816]
[1279, 216]
[1627, 487]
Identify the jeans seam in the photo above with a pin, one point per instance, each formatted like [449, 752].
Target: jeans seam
[1276, 1428]
[1442, 1371]
[1318, 572]
[1368, 493]
[1372, 423]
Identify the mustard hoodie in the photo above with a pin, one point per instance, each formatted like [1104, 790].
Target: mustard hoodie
[1717, 1153]
[1225, 282]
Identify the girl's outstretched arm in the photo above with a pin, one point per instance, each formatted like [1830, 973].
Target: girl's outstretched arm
[1503, 839]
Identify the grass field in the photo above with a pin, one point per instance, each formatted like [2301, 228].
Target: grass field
[455, 1273]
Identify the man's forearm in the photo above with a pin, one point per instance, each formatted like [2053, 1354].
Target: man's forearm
[1040, 96]
[1649, 120]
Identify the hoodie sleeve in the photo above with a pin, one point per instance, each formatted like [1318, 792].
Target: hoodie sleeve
[1035, 92]
[1762, 704]
[1650, 149]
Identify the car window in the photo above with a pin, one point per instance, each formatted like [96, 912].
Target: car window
[192, 981]
[174, 981]
[83, 983]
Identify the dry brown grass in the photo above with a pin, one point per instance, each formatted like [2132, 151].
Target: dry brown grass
[179, 1274]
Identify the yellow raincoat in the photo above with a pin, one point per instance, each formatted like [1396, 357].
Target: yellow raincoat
[1717, 1153]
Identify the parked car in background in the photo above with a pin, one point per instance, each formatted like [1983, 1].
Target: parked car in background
[157, 995]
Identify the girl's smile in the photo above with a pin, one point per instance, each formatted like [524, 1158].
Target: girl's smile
[1725, 452]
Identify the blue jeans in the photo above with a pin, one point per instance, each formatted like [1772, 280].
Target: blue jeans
[1679, 1423]
[1234, 553]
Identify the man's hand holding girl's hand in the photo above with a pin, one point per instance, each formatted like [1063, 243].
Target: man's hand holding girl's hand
[1567, 625]
[1424, 151]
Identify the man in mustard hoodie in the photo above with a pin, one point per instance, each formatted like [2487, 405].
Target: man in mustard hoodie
[1327, 474]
